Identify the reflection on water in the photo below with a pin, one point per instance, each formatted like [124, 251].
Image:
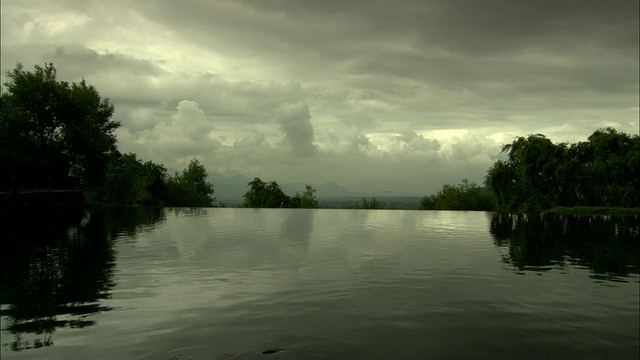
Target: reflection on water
[609, 246]
[57, 266]
[309, 283]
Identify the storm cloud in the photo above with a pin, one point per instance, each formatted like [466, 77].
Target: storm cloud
[380, 96]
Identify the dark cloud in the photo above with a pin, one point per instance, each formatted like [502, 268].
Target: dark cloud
[426, 89]
[83, 61]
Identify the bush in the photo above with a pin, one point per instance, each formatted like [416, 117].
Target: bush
[465, 196]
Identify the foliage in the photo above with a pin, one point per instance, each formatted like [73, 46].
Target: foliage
[372, 204]
[539, 175]
[53, 134]
[305, 200]
[190, 189]
[126, 181]
[270, 195]
[156, 184]
[465, 196]
[59, 135]
[264, 195]
[130, 182]
[365, 203]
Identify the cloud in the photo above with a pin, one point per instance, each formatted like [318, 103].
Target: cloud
[377, 95]
[295, 123]
[172, 139]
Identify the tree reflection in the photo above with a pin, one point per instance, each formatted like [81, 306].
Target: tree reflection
[607, 245]
[56, 267]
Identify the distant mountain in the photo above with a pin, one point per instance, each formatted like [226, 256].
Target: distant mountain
[230, 190]
[333, 189]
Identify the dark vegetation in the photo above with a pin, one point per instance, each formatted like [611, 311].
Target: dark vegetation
[465, 196]
[129, 181]
[599, 176]
[56, 135]
[365, 203]
[540, 175]
[270, 195]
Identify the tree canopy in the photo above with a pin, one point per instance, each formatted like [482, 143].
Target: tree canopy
[269, 195]
[539, 175]
[131, 181]
[61, 136]
[191, 187]
[306, 199]
[467, 195]
[53, 134]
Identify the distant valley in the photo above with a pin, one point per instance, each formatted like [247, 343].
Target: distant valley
[229, 191]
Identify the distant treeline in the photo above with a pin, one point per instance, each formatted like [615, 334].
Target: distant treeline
[465, 196]
[269, 195]
[56, 135]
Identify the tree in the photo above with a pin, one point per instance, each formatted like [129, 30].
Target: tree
[53, 134]
[370, 204]
[126, 183]
[305, 200]
[365, 203]
[191, 187]
[614, 165]
[528, 180]
[464, 196]
[539, 175]
[130, 182]
[157, 187]
[265, 195]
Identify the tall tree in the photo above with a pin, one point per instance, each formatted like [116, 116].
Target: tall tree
[53, 134]
[191, 187]
[305, 200]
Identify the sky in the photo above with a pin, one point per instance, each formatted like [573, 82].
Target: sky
[383, 97]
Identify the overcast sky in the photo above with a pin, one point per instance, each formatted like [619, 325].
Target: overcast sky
[399, 96]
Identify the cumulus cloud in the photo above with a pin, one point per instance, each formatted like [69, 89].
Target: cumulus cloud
[171, 139]
[295, 123]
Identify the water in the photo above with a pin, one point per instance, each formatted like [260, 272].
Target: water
[291, 284]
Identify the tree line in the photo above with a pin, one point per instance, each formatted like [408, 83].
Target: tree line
[467, 195]
[263, 194]
[57, 135]
[538, 175]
